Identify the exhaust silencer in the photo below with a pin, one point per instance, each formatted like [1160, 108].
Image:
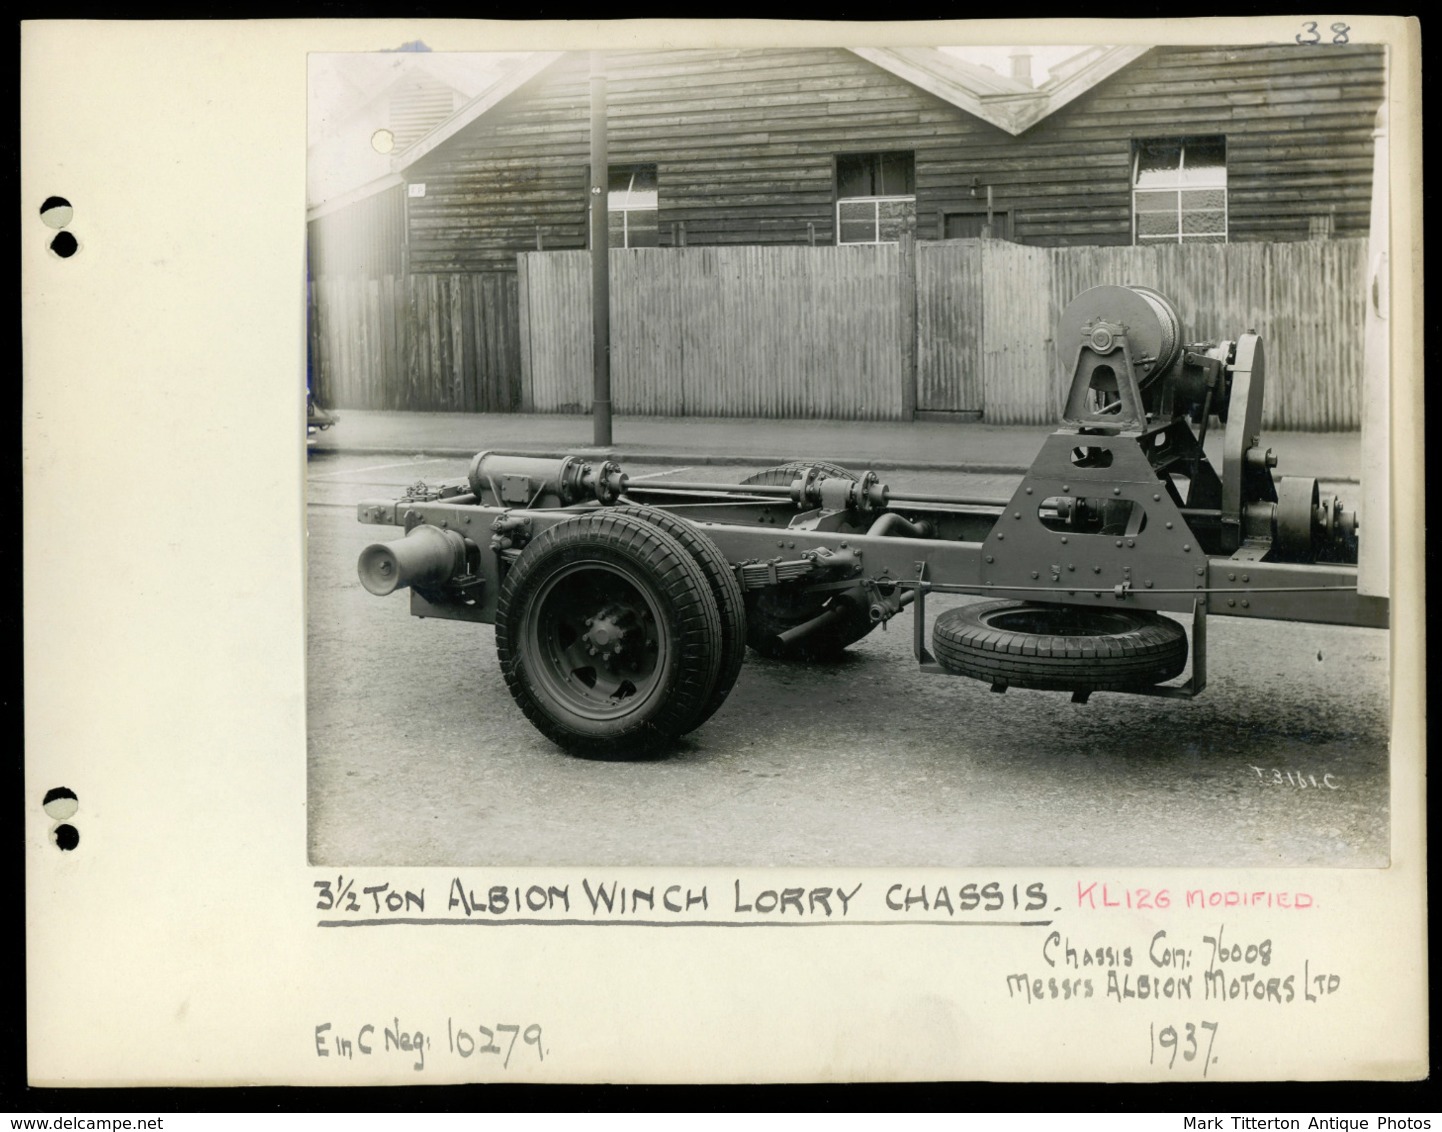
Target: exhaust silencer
[427, 556]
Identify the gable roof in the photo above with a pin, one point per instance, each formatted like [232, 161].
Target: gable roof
[354, 94]
[1005, 102]
[501, 87]
[345, 84]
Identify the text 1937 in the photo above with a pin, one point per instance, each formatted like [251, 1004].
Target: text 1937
[1187, 1042]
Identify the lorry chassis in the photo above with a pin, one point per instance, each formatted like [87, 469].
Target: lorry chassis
[623, 609]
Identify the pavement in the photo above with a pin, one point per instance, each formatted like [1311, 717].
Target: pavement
[908, 446]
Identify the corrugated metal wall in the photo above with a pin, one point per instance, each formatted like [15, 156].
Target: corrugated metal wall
[820, 332]
[1017, 334]
[423, 342]
[1305, 299]
[721, 331]
[949, 327]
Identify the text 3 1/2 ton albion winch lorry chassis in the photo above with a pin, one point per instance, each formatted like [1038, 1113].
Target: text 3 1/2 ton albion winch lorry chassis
[623, 611]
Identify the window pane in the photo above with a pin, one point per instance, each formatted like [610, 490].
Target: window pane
[617, 228]
[964, 225]
[632, 187]
[1204, 239]
[857, 222]
[1206, 159]
[892, 216]
[1156, 224]
[1204, 175]
[641, 228]
[1204, 199]
[1157, 163]
[1211, 223]
[897, 175]
[1156, 202]
[854, 177]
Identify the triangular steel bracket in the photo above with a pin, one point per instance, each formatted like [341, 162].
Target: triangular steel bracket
[1104, 365]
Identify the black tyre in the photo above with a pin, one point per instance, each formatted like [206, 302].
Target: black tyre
[608, 637]
[1064, 648]
[786, 473]
[725, 591]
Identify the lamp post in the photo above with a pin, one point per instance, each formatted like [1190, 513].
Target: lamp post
[600, 261]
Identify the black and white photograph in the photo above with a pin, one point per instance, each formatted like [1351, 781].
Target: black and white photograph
[938, 456]
[674, 552]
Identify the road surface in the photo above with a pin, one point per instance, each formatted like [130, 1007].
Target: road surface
[417, 755]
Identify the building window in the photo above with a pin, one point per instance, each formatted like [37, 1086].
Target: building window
[632, 206]
[973, 226]
[1179, 191]
[875, 197]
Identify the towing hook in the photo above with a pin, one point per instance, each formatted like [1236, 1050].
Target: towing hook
[886, 606]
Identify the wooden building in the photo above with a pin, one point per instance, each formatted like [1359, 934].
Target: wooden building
[1121, 146]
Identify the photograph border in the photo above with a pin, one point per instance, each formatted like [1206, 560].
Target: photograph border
[190, 766]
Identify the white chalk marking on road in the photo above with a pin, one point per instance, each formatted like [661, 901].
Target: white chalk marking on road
[380, 467]
[653, 475]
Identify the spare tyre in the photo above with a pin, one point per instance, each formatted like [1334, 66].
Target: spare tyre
[1065, 648]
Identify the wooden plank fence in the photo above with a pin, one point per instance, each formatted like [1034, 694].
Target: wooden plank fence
[420, 342]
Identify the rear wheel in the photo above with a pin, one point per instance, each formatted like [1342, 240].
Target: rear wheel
[786, 473]
[1065, 648]
[608, 636]
[725, 591]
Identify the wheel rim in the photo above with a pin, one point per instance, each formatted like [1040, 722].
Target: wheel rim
[594, 633]
[1061, 621]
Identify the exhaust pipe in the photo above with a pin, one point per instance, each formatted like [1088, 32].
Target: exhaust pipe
[892, 522]
[835, 615]
[427, 556]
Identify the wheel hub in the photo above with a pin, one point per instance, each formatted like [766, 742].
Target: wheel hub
[609, 633]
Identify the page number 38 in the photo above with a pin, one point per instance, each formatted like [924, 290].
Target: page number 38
[1312, 36]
